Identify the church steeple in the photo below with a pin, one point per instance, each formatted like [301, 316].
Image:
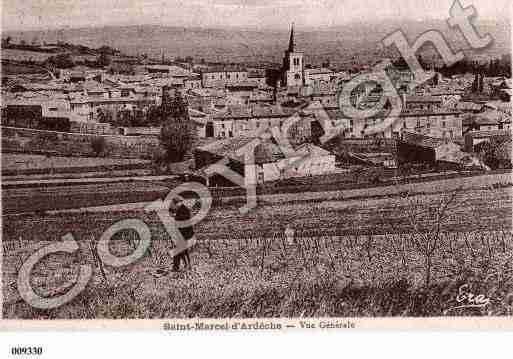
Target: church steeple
[291, 41]
[293, 70]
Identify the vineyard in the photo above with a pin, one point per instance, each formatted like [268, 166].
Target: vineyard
[348, 258]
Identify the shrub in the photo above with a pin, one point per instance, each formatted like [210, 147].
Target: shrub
[176, 138]
[158, 158]
[98, 145]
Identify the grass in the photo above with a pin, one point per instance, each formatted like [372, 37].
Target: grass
[24, 55]
[346, 263]
[26, 163]
[19, 69]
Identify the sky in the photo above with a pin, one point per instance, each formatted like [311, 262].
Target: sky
[263, 14]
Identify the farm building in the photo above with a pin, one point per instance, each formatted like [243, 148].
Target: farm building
[473, 138]
[262, 161]
[318, 75]
[488, 120]
[225, 149]
[271, 164]
[495, 153]
[417, 148]
[80, 74]
[36, 114]
[219, 77]
[250, 120]
[442, 123]
[493, 147]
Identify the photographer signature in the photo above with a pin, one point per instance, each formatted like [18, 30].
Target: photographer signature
[467, 299]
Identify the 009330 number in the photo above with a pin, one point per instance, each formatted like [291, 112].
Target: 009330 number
[27, 350]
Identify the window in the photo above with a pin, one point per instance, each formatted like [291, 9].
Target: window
[443, 123]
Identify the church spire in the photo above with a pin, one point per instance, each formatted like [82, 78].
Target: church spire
[291, 41]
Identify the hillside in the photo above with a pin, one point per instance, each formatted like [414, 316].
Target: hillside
[339, 44]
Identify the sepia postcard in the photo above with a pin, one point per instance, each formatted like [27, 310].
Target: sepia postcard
[244, 165]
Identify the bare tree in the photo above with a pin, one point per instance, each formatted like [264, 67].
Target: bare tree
[427, 223]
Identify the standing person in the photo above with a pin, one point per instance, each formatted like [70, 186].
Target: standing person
[182, 213]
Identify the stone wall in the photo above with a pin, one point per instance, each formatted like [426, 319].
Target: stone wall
[76, 144]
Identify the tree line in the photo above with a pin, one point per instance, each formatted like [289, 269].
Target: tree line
[177, 131]
[492, 68]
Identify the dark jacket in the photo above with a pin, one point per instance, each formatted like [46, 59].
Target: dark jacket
[183, 214]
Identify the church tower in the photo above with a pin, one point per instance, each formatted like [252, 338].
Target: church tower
[293, 66]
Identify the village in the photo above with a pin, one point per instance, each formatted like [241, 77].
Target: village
[457, 122]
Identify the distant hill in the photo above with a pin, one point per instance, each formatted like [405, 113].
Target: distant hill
[339, 44]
